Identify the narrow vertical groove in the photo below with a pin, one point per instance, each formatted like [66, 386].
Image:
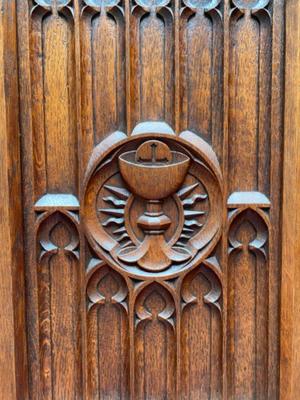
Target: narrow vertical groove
[78, 92]
[131, 317]
[276, 190]
[225, 194]
[178, 346]
[26, 129]
[83, 319]
[177, 65]
[127, 52]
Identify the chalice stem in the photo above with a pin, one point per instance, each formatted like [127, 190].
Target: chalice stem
[154, 253]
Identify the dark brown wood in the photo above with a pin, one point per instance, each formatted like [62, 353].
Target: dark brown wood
[13, 354]
[290, 312]
[151, 142]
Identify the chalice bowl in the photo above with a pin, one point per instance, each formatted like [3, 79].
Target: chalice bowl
[154, 172]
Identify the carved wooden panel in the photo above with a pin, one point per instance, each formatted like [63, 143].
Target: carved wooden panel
[248, 274]
[103, 69]
[151, 135]
[52, 58]
[155, 344]
[59, 306]
[107, 333]
[201, 332]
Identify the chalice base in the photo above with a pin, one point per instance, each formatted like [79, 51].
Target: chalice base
[154, 254]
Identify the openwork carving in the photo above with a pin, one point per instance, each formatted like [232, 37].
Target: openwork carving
[153, 204]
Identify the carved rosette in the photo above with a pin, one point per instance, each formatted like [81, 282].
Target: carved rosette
[153, 202]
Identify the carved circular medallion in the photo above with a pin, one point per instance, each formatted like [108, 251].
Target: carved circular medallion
[153, 203]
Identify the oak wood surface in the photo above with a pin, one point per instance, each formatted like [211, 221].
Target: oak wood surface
[13, 365]
[151, 143]
[290, 311]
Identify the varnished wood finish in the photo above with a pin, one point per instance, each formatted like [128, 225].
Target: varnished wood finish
[290, 311]
[151, 166]
[13, 365]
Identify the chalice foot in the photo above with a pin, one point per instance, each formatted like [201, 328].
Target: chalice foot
[154, 253]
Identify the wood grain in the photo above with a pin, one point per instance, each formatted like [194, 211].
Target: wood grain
[13, 369]
[151, 141]
[290, 324]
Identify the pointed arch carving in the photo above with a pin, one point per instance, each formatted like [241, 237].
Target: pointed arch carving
[58, 282]
[107, 331]
[257, 239]
[248, 302]
[155, 343]
[201, 334]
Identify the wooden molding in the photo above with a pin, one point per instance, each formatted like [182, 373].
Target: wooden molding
[13, 382]
[290, 300]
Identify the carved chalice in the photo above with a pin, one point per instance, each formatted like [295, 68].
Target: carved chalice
[154, 173]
